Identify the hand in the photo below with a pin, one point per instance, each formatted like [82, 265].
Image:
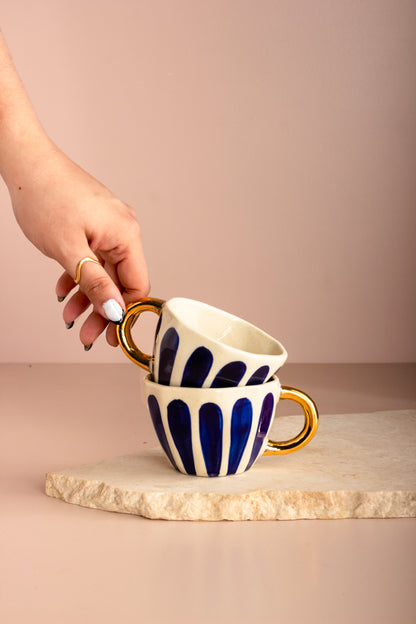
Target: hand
[69, 215]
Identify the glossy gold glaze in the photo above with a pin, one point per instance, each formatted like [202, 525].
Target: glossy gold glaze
[147, 304]
[309, 429]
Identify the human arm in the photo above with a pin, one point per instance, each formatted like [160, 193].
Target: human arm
[68, 215]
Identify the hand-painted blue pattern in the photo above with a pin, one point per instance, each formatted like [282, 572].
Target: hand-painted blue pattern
[179, 419]
[259, 376]
[263, 427]
[230, 375]
[168, 348]
[210, 434]
[159, 322]
[158, 425]
[241, 420]
[197, 368]
[211, 423]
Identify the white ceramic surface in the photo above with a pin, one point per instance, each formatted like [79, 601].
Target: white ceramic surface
[222, 431]
[197, 345]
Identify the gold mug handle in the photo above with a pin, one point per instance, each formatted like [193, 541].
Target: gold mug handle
[309, 429]
[147, 304]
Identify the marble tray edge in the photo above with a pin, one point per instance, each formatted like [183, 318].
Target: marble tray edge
[212, 506]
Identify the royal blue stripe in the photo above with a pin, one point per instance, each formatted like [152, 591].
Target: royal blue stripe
[230, 375]
[159, 322]
[241, 419]
[266, 415]
[197, 368]
[259, 376]
[179, 419]
[168, 348]
[158, 425]
[210, 433]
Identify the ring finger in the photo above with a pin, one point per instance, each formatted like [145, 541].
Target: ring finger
[92, 327]
[76, 306]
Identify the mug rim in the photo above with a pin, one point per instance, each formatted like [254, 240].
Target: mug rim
[223, 313]
[267, 386]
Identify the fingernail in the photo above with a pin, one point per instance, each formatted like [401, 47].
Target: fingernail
[60, 299]
[87, 347]
[113, 311]
[69, 325]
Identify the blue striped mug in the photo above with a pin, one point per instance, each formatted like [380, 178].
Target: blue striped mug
[200, 346]
[213, 432]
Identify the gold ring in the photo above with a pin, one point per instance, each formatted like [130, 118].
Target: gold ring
[79, 267]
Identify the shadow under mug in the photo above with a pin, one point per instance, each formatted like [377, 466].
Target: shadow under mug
[213, 432]
[198, 345]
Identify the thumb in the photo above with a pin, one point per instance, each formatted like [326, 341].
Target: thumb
[101, 290]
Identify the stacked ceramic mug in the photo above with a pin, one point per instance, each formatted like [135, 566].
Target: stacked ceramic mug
[212, 388]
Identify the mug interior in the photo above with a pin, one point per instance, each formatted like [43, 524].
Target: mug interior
[222, 327]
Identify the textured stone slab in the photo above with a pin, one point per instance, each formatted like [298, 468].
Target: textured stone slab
[357, 466]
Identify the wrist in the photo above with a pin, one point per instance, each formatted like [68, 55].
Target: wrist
[24, 147]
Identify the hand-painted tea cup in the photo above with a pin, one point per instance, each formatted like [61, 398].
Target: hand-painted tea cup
[223, 431]
[197, 345]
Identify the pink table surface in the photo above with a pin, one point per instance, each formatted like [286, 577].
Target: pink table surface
[64, 564]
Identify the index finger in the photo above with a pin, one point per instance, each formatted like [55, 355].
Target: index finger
[133, 275]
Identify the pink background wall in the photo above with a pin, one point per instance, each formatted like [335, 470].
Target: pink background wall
[267, 146]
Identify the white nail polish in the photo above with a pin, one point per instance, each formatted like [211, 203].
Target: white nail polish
[113, 311]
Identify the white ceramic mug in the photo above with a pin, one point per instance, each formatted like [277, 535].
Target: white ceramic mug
[197, 345]
[223, 431]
